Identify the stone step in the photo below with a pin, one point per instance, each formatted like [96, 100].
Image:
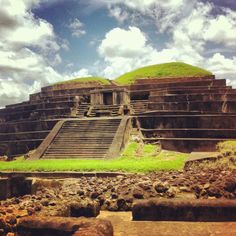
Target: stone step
[78, 141]
[85, 132]
[73, 156]
[98, 122]
[85, 129]
[86, 142]
[80, 145]
[98, 125]
[101, 125]
[89, 134]
[84, 138]
[79, 153]
[75, 145]
[67, 137]
[68, 149]
[104, 110]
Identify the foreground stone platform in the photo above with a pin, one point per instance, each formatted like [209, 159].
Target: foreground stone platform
[58, 226]
[203, 210]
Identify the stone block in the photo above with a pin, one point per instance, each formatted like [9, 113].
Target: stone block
[19, 186]
[60, 226]
[4, 188]
[185, 210]
[87, 209]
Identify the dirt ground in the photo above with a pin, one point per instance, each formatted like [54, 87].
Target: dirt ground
[124, 226]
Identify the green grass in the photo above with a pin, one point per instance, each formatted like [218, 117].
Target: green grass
[99, 80]
[134, 159]
[173, 69]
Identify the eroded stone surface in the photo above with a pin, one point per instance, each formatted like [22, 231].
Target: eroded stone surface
[185, 210]
[58, 226]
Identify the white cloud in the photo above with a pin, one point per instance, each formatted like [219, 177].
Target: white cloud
[118, 13]
[28, 48]
[222, 29]
[223, 67]
[123, 43]
[164, 13]
[77, 28]
[24, 29]
[77, 74]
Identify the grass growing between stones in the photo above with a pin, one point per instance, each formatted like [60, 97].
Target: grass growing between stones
[136, 158]
[173, 69]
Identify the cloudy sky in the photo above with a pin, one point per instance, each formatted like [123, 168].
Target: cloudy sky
[44, 41]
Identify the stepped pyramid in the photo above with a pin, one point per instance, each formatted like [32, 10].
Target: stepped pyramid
[94, 119]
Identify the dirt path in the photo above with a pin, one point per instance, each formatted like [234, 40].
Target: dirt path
[123, 226]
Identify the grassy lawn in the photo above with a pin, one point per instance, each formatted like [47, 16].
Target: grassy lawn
[173, 69]
[136, 158]
[100, 80]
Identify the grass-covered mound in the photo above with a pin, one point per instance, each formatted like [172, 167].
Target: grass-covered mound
[98, 80]
[173, 69]
[136, 158]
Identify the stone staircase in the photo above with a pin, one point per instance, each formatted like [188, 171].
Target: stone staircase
[84, 138]
[139, 106]
[82, 110]
[105, 110]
